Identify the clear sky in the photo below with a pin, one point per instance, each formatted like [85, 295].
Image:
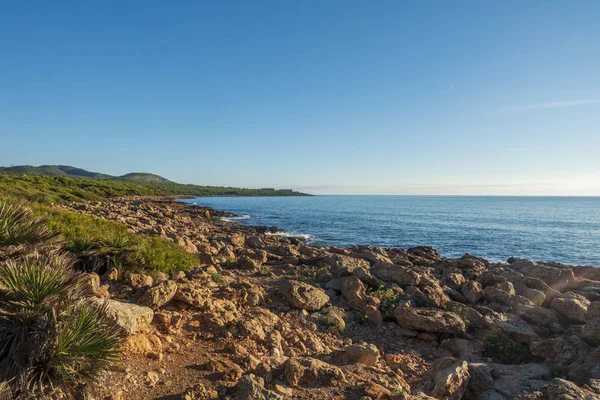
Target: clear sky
[328, 96]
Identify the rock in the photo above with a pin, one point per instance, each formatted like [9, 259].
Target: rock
[191, 294]
[199, 392]
[141, 343]
[310, 372]
[158, 295]
[151, 379]
[560, 389]
[560, 350]
[248, 263]
[356, 293]
[258, 322]
[453, 280]
[434, 296]
[511, 324]
[92, 283]
[112, 274]
[362, 353]
[138, 281]
[591, 332]
[493, 294]
[450, 379]
[571, 306]
[395, 273]
[252, 387]
[373, 390]
[237, 239]
[304, 296]
[480, 382]
[472, 291]
[223, 369]
[593, 311]
[538, 316]
[429, 320]
[131, 318]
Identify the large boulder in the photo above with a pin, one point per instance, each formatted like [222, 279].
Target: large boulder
[306, 371]
[304, 296]
[451, 378]
[131, 318]
[158, 295]
[400, 275]
[428, 320]
[572, 306]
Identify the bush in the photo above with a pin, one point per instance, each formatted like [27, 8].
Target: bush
[502, 349]
[389, 302]
[49, 335]
[18, 226]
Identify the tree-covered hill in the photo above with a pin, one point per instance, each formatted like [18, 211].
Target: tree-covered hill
[61, 189]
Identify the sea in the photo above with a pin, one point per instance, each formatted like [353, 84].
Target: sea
[560, 229]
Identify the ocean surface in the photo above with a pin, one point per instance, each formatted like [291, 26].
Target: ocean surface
[563, 229]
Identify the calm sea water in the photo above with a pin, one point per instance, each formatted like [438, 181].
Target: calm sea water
[563, 229]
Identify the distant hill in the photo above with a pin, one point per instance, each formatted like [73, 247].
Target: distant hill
[73, 172]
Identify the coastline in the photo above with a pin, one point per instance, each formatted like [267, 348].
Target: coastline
[366, 321]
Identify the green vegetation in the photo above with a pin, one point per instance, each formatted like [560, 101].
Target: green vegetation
[502, 349]
[328, 320]
[50, 336]
[389, 302]
[99, 244]
[60, 189]
[18, 226]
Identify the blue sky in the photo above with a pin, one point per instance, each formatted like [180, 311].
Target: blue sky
[386, 97]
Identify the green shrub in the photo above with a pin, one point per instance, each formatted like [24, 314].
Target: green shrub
[18, 226]
[389, 302]
[504, 350]
[157, 254]
[49, 336]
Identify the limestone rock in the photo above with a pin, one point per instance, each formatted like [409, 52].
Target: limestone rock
[304, 296]
[472, 291]
[252, 387]
[362, 353]
[400, 275]
[571, 306]
[591, 332]
[129, 317]
[450, 379]
[429, 320]
[310, 372]
[158, 295]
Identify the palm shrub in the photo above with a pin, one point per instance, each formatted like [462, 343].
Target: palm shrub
[51, 336]
[19, 228]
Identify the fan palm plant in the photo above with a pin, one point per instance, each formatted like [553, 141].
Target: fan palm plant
[49, 334]
[20, 228]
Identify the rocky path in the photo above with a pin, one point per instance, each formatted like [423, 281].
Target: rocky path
[268, 317]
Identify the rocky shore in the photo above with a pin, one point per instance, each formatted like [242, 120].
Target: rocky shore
[268, 317]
